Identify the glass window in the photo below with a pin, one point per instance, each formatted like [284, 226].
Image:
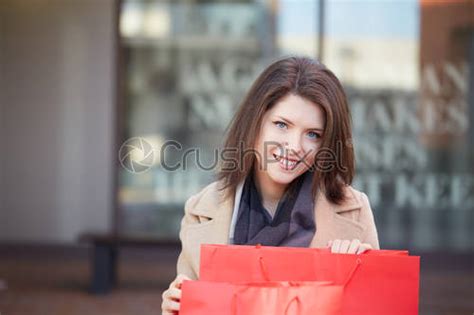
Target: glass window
[406, 67]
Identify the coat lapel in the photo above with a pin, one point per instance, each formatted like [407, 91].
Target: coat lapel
[216, 214]
[351, 202]
[337, 221]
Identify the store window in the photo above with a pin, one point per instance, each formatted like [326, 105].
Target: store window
[406, 67]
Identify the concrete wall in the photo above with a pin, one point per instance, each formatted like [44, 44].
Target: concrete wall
[56, 118]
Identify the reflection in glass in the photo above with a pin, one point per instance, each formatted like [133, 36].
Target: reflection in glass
[404, 65]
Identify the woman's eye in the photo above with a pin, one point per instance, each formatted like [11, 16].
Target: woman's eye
[313, 135]
[280, 124]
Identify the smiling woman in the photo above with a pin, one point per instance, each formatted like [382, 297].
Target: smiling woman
[307, 104]
[279, 195]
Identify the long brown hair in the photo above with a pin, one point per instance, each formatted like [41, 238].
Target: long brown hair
[311, 80]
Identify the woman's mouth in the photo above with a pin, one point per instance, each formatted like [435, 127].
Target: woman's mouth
[285, 163]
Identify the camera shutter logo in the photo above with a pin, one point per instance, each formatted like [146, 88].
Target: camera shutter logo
[136, 155]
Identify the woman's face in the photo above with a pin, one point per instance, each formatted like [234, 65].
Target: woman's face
[290, 136]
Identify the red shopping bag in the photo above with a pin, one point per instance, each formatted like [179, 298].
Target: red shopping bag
[287, 263]
[387, 282]
[260, 298]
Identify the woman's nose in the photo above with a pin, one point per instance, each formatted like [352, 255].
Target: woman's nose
[293, 146]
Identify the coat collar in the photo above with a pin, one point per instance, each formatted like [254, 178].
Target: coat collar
[214, 203]
[351, 202]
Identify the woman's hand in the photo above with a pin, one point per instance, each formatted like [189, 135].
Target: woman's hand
[348, 247]
[172, 296]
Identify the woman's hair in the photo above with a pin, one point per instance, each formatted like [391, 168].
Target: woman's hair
[308, 79]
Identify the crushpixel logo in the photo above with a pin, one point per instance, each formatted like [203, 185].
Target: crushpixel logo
[136, 155]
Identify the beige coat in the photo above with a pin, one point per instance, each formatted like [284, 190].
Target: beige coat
[208, 217]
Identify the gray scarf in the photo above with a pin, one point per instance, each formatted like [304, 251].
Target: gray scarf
[293, 223]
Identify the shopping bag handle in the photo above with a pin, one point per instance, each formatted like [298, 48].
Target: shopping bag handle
[352, 272]
[264, 270]
[298, 302]
[235, 302]
[263, 267]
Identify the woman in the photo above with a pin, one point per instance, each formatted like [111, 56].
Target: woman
[286, 174]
